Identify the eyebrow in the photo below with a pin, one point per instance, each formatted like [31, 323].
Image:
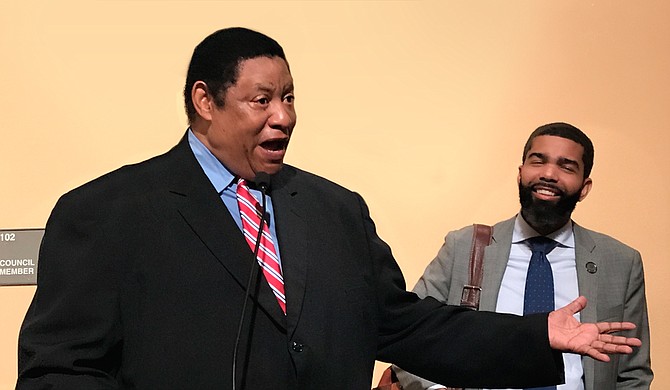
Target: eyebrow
[269, 89]
[539, 155]
[567, 161]
[263, 87]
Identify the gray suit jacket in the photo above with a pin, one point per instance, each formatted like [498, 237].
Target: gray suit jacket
[615, 293]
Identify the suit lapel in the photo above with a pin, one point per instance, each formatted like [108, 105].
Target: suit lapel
[495, 262]
[293, 234]
[195, 199]
[585, 253]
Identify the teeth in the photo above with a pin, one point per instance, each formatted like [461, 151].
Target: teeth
[545, 192]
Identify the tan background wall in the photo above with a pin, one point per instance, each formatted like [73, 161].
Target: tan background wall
[435, 94]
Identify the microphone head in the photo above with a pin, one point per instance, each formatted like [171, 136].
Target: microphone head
[263, 180]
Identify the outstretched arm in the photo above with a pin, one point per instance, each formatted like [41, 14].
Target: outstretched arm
[569, 335]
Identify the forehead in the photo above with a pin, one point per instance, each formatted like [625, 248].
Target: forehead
[556, 147]
[267, 71]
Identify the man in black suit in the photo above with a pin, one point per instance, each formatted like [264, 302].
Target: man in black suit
[143, 272]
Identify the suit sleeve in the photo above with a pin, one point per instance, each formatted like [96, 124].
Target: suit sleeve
[635, 369]
[70, 336]
[435, 282]
[437, 277]
[453, 345]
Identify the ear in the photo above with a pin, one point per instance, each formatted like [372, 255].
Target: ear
[202, 100]
[518, 176]
[586, 188]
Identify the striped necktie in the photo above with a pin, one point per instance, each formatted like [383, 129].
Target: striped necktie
[250, 211]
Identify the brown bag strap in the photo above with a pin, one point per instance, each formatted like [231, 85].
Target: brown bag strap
[388, 381]
[481, 238]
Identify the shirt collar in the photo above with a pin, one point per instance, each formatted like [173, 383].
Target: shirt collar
[523, 231]
[217, 173]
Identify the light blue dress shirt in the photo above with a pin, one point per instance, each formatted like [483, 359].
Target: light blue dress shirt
[566, 289]
[225, 184]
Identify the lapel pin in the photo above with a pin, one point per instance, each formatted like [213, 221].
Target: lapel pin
[591, 267]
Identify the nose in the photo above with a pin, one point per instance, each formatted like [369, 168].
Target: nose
[282, 117]
[549, 173]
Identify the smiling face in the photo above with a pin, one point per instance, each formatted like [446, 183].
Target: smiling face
[251, 131]
[551, 182]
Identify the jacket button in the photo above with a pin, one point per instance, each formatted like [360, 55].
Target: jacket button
[297, 347]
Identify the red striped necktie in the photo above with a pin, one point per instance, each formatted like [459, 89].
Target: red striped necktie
[250, 211]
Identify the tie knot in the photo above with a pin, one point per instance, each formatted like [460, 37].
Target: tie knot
[243, 188]
[245, 195]
[541, 244]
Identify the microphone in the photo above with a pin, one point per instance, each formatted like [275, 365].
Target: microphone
[262, 181]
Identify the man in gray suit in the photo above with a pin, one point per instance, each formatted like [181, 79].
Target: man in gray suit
[553, 177]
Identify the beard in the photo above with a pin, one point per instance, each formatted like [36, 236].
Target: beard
[545, 215]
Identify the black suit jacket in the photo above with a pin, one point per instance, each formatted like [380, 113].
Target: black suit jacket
[141, 284]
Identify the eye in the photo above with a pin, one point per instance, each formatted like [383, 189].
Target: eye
[263, 100]
[290, 98]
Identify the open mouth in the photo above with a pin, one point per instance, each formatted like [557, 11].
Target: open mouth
[547, 191]
[275, 145]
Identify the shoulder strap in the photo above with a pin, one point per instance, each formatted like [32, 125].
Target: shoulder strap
[388, 381]
[481, 238]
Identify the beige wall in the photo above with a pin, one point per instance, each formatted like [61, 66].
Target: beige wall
[438, 95]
